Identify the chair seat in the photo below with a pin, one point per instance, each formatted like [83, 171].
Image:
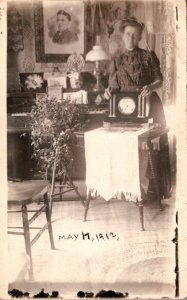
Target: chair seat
[27, 191]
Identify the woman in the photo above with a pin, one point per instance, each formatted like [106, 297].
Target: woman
[137, 67]
[64, 35]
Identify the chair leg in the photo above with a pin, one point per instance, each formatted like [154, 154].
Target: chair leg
[75, 188]
[60, 189]
[52, 187]
[26, 231]
[48, 217]
[140, 206]
[87, 205]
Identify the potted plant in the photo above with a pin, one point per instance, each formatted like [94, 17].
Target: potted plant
[53, 126]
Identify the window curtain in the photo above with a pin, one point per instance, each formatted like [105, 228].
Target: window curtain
[159, 36]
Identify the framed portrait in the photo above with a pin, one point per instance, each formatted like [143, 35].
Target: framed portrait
[59, 29]
[32, 82]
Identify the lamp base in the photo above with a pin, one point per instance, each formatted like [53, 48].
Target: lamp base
[98, 86]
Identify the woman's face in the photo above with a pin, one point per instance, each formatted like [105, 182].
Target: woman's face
[62, 22]
[131, 37]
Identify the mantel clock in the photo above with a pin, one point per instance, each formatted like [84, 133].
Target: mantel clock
[128, 107]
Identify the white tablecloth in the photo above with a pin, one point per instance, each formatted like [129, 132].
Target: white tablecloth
[112, 163]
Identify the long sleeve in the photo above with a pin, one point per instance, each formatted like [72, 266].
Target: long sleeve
[113, 81]
[155, 68]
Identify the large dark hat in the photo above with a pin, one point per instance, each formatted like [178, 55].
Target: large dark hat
[131, 21]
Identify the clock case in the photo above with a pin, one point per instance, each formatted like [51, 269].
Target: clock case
[139, 115]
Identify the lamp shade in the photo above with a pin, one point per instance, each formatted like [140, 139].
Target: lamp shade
[97, 54]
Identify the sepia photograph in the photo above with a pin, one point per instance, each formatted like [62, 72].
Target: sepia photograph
[95, 148]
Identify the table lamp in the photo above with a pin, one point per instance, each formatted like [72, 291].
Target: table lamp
[97, 54]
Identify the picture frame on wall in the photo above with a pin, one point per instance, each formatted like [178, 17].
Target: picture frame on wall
[59, 29]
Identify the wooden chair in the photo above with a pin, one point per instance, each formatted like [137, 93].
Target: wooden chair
[23, 194]
[65, 185]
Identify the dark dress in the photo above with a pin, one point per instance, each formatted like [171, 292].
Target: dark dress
[65, 37]
[138, 68]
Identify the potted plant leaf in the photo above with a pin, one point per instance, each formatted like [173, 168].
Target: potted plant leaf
[53, 127]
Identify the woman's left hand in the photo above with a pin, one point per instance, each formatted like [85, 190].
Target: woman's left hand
[146, 91]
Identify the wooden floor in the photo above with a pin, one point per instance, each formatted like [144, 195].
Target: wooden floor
[107, 252]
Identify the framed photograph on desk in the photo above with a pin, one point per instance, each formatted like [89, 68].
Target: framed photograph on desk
[32, 82]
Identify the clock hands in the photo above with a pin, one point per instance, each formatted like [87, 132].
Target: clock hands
[126, 107]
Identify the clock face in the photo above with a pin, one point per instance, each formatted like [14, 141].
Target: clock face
[126, 106]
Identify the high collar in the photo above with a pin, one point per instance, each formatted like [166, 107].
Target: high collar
[130, 52]
[63, 32]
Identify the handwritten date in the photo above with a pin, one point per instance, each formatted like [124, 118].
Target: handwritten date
[86, 236]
